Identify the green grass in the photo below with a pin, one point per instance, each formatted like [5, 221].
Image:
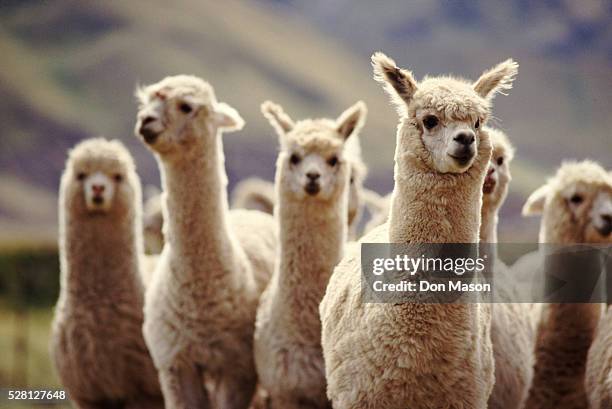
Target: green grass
[29, 366]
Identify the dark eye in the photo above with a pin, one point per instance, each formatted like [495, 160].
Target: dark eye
[576, 199]
[295, 159]
[185, 108]
[118, 178]
[81, 176]
[500, 160]
[333, 161]
[430, 121]
[352, 180]
[477, 124]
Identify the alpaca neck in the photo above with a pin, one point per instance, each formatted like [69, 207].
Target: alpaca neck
[196, 202]
[312, 237]
[488, 224]
[428, 207]
[101, 259]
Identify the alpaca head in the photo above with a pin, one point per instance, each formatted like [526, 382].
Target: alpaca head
[442, 117]
[576, 205]
[100, 179]
[312, 163]
[495, 187]
[180, 112]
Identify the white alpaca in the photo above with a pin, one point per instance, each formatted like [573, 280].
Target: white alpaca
[96, 339]
[512, 332]
[312, 184]
[410, 354]
[200, 306]
[576, 208]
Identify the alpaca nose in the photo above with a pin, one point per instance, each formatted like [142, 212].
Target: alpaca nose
[490, 171]
[147, 133]
[313, 176]
[147, 120]
[98, 189]
[606, 226]
[464, 138]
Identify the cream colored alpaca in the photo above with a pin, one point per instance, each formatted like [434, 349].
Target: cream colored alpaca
[413, 355]
[255, 193]
[312, 183]
[96, 338]
[200, 306]
[598, 381]
[575, 207]
[512, 332]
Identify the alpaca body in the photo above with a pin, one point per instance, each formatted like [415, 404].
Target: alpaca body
[96, 342]
[288, 335]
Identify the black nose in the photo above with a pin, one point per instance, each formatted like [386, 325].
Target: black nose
[464, 138]
[148, 134]
[606, 227]
[147, 120]
[313, 176]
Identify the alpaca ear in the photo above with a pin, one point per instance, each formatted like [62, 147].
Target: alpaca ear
[227, 118]
[496, 80]
[535, 203]
[398, 83]
[351, 121]
[277, 117]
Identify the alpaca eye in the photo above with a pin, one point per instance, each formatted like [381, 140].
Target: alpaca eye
[185, 108]
[295, 159]
[118, 178]
[81, 176]
[500, 160]
[477, 124]
[333, 161]
[576, 199]
[430, 121]
[352, 180]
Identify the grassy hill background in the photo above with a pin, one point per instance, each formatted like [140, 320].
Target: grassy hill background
[69, 69]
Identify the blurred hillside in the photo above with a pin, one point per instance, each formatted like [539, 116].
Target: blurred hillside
[69, 69]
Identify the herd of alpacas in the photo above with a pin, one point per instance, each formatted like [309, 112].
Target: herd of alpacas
[259, 304]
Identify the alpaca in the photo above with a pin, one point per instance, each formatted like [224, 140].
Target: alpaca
[576, 208]
[512, 332]
[255, 193]
[96, 339]
[418, 355]
[598, 380]
[312, 183]
[200, 305]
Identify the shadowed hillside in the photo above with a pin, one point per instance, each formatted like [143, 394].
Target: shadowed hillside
[69, 69]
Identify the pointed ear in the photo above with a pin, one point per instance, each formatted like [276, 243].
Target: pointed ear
[398, 83]
[497, 79]
[227, 118]
[535, 203]
[351, 121]
[280, 121]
